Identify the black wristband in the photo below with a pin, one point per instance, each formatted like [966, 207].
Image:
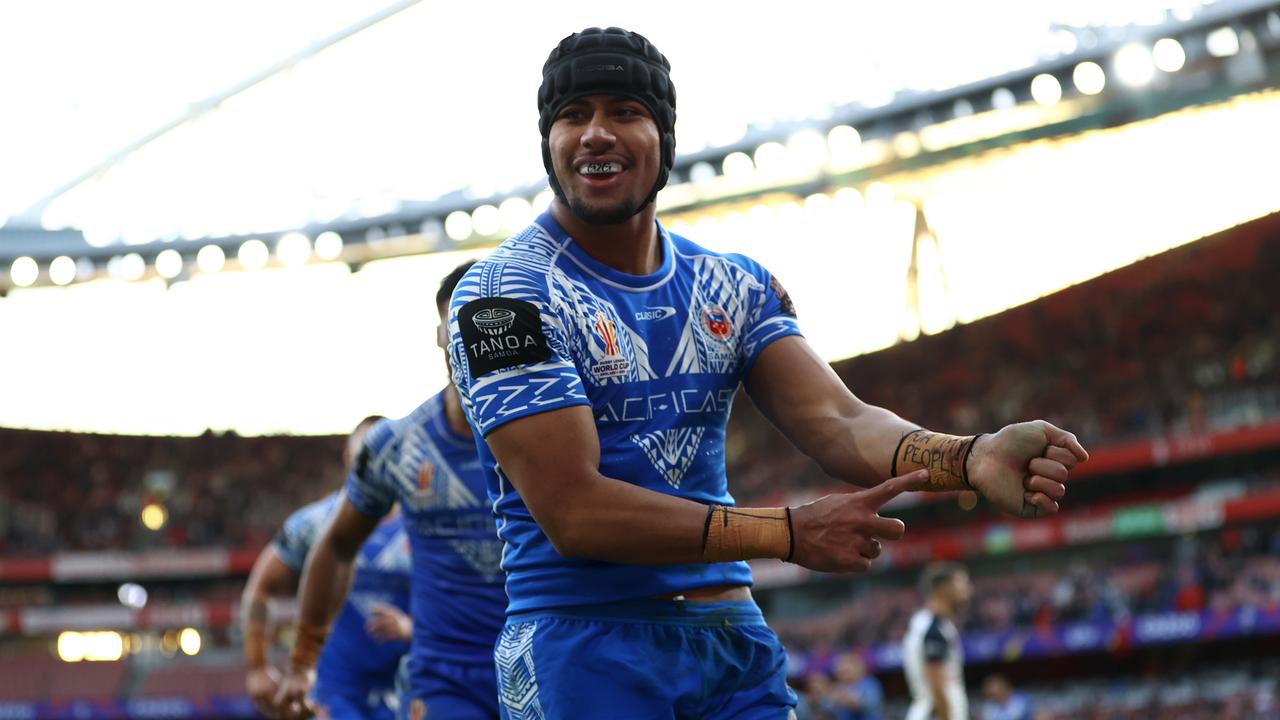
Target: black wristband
[893, 466]
[706, 527]
[964, 472]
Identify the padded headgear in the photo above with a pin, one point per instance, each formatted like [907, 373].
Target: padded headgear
[609, 61]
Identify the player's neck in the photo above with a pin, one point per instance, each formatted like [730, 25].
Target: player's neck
[941, 609]
[453, 413]
[630, 246]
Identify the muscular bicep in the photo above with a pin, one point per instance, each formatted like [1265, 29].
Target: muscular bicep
[270, 576]
[552, 460]
[807, 401]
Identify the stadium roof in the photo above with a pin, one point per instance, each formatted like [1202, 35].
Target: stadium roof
[148, 120]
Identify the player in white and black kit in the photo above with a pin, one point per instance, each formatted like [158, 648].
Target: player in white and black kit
[931, 654]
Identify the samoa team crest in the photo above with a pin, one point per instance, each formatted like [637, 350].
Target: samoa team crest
[717, 323]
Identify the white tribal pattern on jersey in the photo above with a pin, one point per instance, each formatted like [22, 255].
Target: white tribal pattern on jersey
[931, 639]
[540, 325]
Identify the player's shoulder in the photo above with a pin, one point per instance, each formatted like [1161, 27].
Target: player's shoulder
[519, 268]
[733, 262]
[312, 513]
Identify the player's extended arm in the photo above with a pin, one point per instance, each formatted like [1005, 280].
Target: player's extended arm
[270, 578]
[553, 460]
[326, 579]
[1021, 468]
[935, 675]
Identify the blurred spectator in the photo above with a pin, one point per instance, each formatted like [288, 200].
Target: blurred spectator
[1002, 702]
[855, 695]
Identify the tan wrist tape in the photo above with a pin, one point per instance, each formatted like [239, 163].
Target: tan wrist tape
[255, 649]
[307, 646]
[732, 534]
[946, 457]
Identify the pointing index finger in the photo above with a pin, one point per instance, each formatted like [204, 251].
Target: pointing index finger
[877, 496]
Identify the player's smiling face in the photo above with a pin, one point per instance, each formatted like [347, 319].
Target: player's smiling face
[605, 150]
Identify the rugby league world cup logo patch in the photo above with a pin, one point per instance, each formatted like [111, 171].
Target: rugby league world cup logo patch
[613, 364]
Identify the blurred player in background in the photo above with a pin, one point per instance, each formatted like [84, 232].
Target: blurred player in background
[356, 671]
[426, 461]
[598, 355]
[1002, 702]
[932, 657]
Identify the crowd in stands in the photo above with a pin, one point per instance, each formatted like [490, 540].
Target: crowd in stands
[69, 491]
[1221, 571]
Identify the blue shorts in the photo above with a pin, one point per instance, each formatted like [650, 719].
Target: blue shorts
[437, 690]
[351, 699]
[643, 660]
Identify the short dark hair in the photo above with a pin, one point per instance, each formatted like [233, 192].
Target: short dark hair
[937, 574]
[369, 420]
[450, 282]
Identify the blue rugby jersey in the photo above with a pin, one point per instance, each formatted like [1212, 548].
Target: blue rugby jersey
[458, 600]
[381, 576]
[539, 325]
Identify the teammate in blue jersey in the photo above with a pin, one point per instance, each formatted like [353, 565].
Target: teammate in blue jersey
[357, 669]
[597, 354]
[426, 461]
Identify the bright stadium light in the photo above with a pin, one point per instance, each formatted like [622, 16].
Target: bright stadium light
[1168, 55]
[103, 646]
[253, 254]
[817, 204]
[516, 214]
[169, 263]
[458, 225]
[132, 595]
[808, 149]
[62, 271]
[542, 200]
[70, 646]
[737, 165]
[486, 220]
[1046, 90]
[132, 267]
[1002, 98]
[771, 157]
[879, 195]
[844, 145]
[84, 269]
[848, 198]
[210, 259]
[293, 249]
[701, 172]
[1223, 42]
[1089, 78]
[189, 641]
[1133, 65]
[154, 516]
[24, 271]
[328, 245]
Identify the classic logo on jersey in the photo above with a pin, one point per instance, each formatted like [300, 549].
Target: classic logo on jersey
[717, 323]
[662, 312]
[500, 333]
[784, 298]
[613, 364]
[671, 451]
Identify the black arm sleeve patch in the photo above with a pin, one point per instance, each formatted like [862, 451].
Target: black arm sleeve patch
[936, 644]
[499, 333]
